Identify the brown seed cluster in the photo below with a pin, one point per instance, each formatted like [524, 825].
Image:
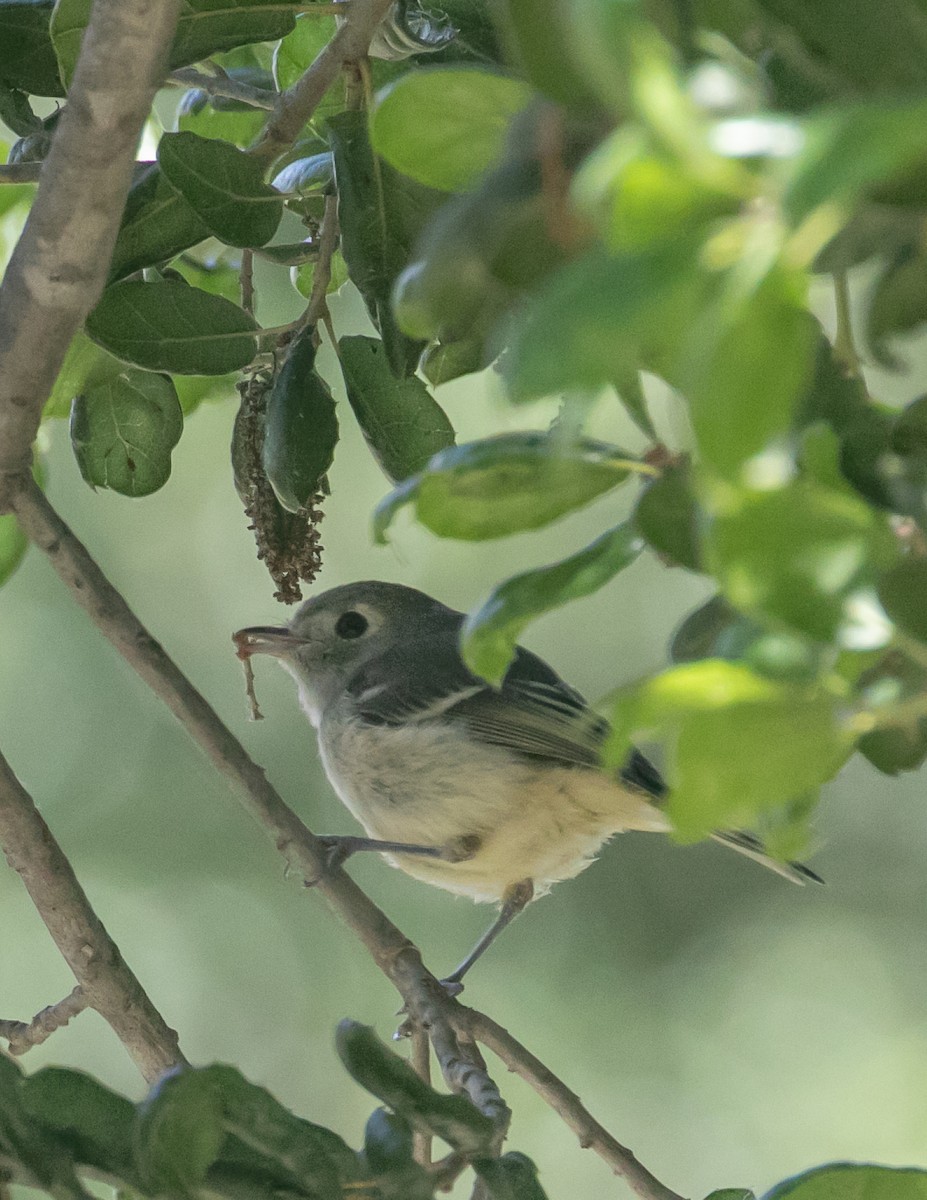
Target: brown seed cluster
[288, 543]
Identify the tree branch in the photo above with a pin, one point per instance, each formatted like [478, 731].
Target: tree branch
[23, 1035]
[221, 85]
[426, 1001]
[107, 983]
[568, 1106]
[59, 266]
[296, 105]
[21, 172]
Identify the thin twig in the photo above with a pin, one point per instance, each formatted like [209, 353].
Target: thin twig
[317, 308]
[246, 281]
[222, 85]
[23, 1035]
[108, 984]
[60, 264]
[21, 172]
[421, 1063]
[427, 1003]
[568, 1106]
[296, 105]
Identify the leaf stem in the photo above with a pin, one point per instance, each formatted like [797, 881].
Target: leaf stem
[844, 345]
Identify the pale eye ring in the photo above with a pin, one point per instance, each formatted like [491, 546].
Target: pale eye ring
[351, 624]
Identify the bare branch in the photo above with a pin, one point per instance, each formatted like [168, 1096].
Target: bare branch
[296, 105]
[59, 267]
[426, 1001]
[107, 983]
[222, 85]
[567, 1104]
[23, 1035]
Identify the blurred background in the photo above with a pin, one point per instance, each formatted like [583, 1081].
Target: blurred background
[728, 1027]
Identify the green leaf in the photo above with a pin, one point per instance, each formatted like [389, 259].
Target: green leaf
[903, 592]
[536, 33]
[739, 745]
[27, 57]
[380, 214]
[667, 515]
[700, 634]
[731, 1194]
[853, 1181]
[490, 633]
[799, 554]
[205, 27]
[590, 321]
[392, 1080]
[387, 1142]
[25, 1143]
[403, 424]
[301, 428]
[224, 186]
[847, 149]
[85, 365]
[513, 1176]
[13, 546]
[897, 303]
[169, 326]
[833, 394]
[302, 175]
[505, 485]
[264, 1139]
[123, 432]
[179, 1132]
[742, 388]
[468, 112]
[157, 224]
[631, 393]
[302, 277]
[295, 54]
[96, 1124]
[894, 748]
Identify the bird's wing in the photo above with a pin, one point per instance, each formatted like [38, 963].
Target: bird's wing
[534, 713]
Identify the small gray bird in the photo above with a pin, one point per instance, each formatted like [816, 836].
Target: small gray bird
[495, 794]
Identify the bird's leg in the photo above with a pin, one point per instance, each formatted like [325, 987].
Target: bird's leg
[514, 900]
[339, 848]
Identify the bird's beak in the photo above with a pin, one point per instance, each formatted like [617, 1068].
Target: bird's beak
[266, 639]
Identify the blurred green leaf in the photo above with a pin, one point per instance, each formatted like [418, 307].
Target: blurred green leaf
[667, 515]
[13, 546]
[400, 419]
[631, 393]
[205, 27]
[15, 110]
[699, 635]
[871, 461]
[445, 126]
[302, 277]
[504, 485]
[799, 554]
[738, 744]
[95, 1123]
[157, 224]
[387, 1141]
[589, 322]
[893, 680]
[490, 633]
[853, 1181]
[443, 362]
[169, 326]
[903, 592]
[301, 426]
[847, 149]
[179, 1133]
[833, 394]
[897, 302]
[85, 365]
[380, 214]
[25, 1143]
[123, 432]
[513, 1176]
[743, 390]
[27, 56]
[536, 33]
[392, 1080]
[224, 186]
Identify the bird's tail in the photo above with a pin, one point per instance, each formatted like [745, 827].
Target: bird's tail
[752, 847]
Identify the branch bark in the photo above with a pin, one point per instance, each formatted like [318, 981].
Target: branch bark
[59, 267]
[23, 1035]
[107, 983]
[296, 105]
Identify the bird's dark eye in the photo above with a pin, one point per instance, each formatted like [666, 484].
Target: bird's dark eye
[351, 625]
